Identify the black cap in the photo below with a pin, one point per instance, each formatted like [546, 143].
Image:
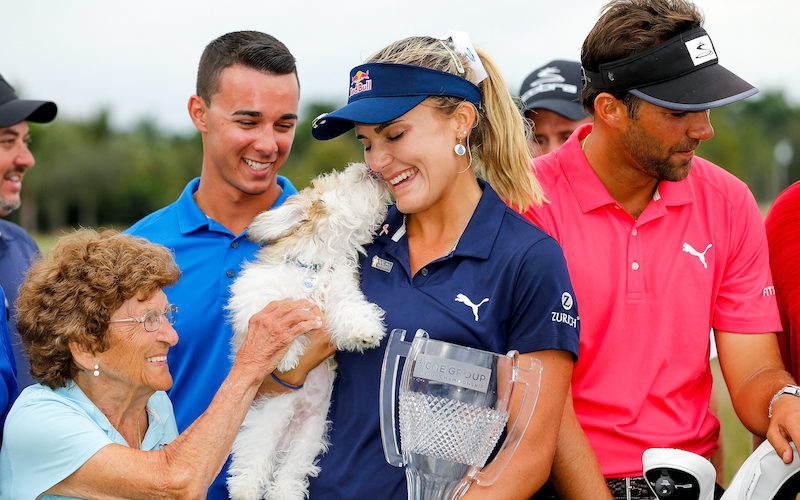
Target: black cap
[14, 110]
[555, 86]
[683, 73]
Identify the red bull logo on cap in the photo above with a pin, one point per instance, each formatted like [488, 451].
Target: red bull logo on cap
[360, 82]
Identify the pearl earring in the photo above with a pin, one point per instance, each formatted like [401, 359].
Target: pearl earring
[96, 371]
[459, 148]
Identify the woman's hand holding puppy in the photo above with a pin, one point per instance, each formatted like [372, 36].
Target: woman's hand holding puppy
[296, 317]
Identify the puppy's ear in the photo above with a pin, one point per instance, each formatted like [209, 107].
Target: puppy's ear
[357, 171]
[276, 223]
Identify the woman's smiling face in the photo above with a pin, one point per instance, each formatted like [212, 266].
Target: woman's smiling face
[414, 155]
[135, 358]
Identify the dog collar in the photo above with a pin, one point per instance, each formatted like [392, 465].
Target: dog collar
[314, 266]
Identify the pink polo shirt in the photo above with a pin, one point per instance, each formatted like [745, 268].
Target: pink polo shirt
[649, 291]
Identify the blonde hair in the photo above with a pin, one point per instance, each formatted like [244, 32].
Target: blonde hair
[498, 142]
[70, 295]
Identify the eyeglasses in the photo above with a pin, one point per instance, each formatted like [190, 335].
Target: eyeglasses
[152, 319]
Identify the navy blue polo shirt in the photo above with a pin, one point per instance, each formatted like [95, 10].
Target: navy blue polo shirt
[8, 380]
[210, 257]
[504, 287]
[17, 253]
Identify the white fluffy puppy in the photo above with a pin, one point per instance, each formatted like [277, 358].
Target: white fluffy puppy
[311, 246]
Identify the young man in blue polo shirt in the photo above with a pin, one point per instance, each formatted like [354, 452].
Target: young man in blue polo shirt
[246, 111]
[17, 248]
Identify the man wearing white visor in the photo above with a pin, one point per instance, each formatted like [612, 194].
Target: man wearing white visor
[661, 246]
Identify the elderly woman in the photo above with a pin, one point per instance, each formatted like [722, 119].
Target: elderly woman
[97, 327]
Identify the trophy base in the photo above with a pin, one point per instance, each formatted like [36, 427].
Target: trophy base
[430, 478]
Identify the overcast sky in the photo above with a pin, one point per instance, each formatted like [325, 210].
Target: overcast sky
[138, 58]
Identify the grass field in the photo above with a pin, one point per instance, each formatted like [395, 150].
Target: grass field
[736, 439]
[46, 241]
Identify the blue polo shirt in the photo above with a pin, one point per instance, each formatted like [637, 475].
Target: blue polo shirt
[17, 253]
[210, 257]
[516, 273]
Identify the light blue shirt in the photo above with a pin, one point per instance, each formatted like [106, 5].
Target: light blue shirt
[49, 434]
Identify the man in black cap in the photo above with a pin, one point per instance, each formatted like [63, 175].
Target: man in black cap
[17, 248]
[661, 246]
[550, 98]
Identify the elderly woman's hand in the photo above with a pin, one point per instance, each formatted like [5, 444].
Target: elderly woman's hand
[274, 328]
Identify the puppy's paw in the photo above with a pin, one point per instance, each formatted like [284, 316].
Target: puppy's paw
[292, 357]
[287, 364]
[362, 333]
[371, 335]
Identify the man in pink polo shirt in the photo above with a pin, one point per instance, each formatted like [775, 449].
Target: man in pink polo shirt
[661, 246]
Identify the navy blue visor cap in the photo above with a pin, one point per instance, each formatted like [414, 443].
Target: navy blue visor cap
[381, 92]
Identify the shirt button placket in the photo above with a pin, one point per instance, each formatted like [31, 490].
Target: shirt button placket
[635, 284]
[231, 273]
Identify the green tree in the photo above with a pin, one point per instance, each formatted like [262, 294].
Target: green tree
[758, 140]
[311, 157]
[88, 173]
